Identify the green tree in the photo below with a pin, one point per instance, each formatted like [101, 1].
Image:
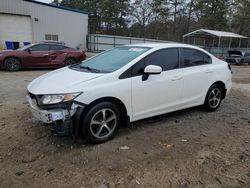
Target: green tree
[106, 16]
[241, 21]
[141, 14]
[162, 19]
[113, 15]
[212, 14]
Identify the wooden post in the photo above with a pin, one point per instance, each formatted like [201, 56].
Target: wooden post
[239, 43]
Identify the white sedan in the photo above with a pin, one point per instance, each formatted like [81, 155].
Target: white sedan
[125, 84]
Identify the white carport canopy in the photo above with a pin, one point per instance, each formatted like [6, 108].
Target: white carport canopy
[206, 33]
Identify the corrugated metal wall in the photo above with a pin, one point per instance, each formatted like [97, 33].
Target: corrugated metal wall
[14, 7]
[71, 27]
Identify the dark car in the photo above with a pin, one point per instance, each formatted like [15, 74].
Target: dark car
[41, 55]
[238, 57]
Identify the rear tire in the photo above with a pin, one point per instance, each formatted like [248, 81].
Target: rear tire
[69, 61]
[213, 98]
[101, 122]
[12, 64]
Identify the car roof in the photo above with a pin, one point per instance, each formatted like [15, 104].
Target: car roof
[51, 42]
[48, 43]
[162, 45]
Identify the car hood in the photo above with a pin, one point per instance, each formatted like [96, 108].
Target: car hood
[64, 80]
[235, 53]
[6, 52]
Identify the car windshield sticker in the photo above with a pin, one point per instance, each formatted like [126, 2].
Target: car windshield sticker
[136, 49]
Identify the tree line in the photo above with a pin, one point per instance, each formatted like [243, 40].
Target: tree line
[163, 19]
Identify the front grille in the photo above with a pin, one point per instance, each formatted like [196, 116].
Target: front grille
[230, 60]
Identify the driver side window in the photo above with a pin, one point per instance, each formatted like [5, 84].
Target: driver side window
[40, 47]
[167, 59]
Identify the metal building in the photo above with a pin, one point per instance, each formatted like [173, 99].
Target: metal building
[217, 42]
[27, 21]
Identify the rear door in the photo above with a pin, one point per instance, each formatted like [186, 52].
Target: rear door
[38, 56]
[159, 93]
[197, 75]
[57, 54]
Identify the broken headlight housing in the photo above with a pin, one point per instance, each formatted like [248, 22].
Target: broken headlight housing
[58, 98]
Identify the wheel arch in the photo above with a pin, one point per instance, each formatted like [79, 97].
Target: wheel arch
[79, 117]
[12, 56]
[70, 57]
[223, 86]
[124, 113]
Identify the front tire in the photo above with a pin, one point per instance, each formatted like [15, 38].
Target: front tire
[12, 64]
[101, 122]
[213, 98]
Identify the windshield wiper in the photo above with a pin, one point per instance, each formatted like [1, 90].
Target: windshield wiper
[90, 69]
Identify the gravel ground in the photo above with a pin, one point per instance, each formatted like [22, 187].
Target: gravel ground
[188, 148]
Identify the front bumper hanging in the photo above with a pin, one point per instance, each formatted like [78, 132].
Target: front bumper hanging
[59, 120]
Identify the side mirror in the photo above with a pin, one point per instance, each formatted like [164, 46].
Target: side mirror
[29, 50]
[151, 69]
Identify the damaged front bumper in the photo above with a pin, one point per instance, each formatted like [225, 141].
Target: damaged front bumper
[59, 120]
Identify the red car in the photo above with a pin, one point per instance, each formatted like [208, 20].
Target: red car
[42, 55]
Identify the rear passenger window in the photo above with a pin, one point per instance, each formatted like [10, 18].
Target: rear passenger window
[192, 57]
[167, 59]
[56, 47]
[207, 59]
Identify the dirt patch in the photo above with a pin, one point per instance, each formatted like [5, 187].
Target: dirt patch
[188, 148]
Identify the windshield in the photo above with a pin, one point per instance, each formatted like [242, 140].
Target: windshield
[114, 59]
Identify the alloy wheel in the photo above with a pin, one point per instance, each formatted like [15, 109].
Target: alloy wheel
[103, 123]
[214, 98]
[69, 61]
[12, 64]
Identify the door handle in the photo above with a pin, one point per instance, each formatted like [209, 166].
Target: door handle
[45, 54]
[176, 78]
[208, 71]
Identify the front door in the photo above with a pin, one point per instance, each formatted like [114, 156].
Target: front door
[159, 93]
[38, 56]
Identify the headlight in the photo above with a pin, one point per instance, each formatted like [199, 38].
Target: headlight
[59, 98]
